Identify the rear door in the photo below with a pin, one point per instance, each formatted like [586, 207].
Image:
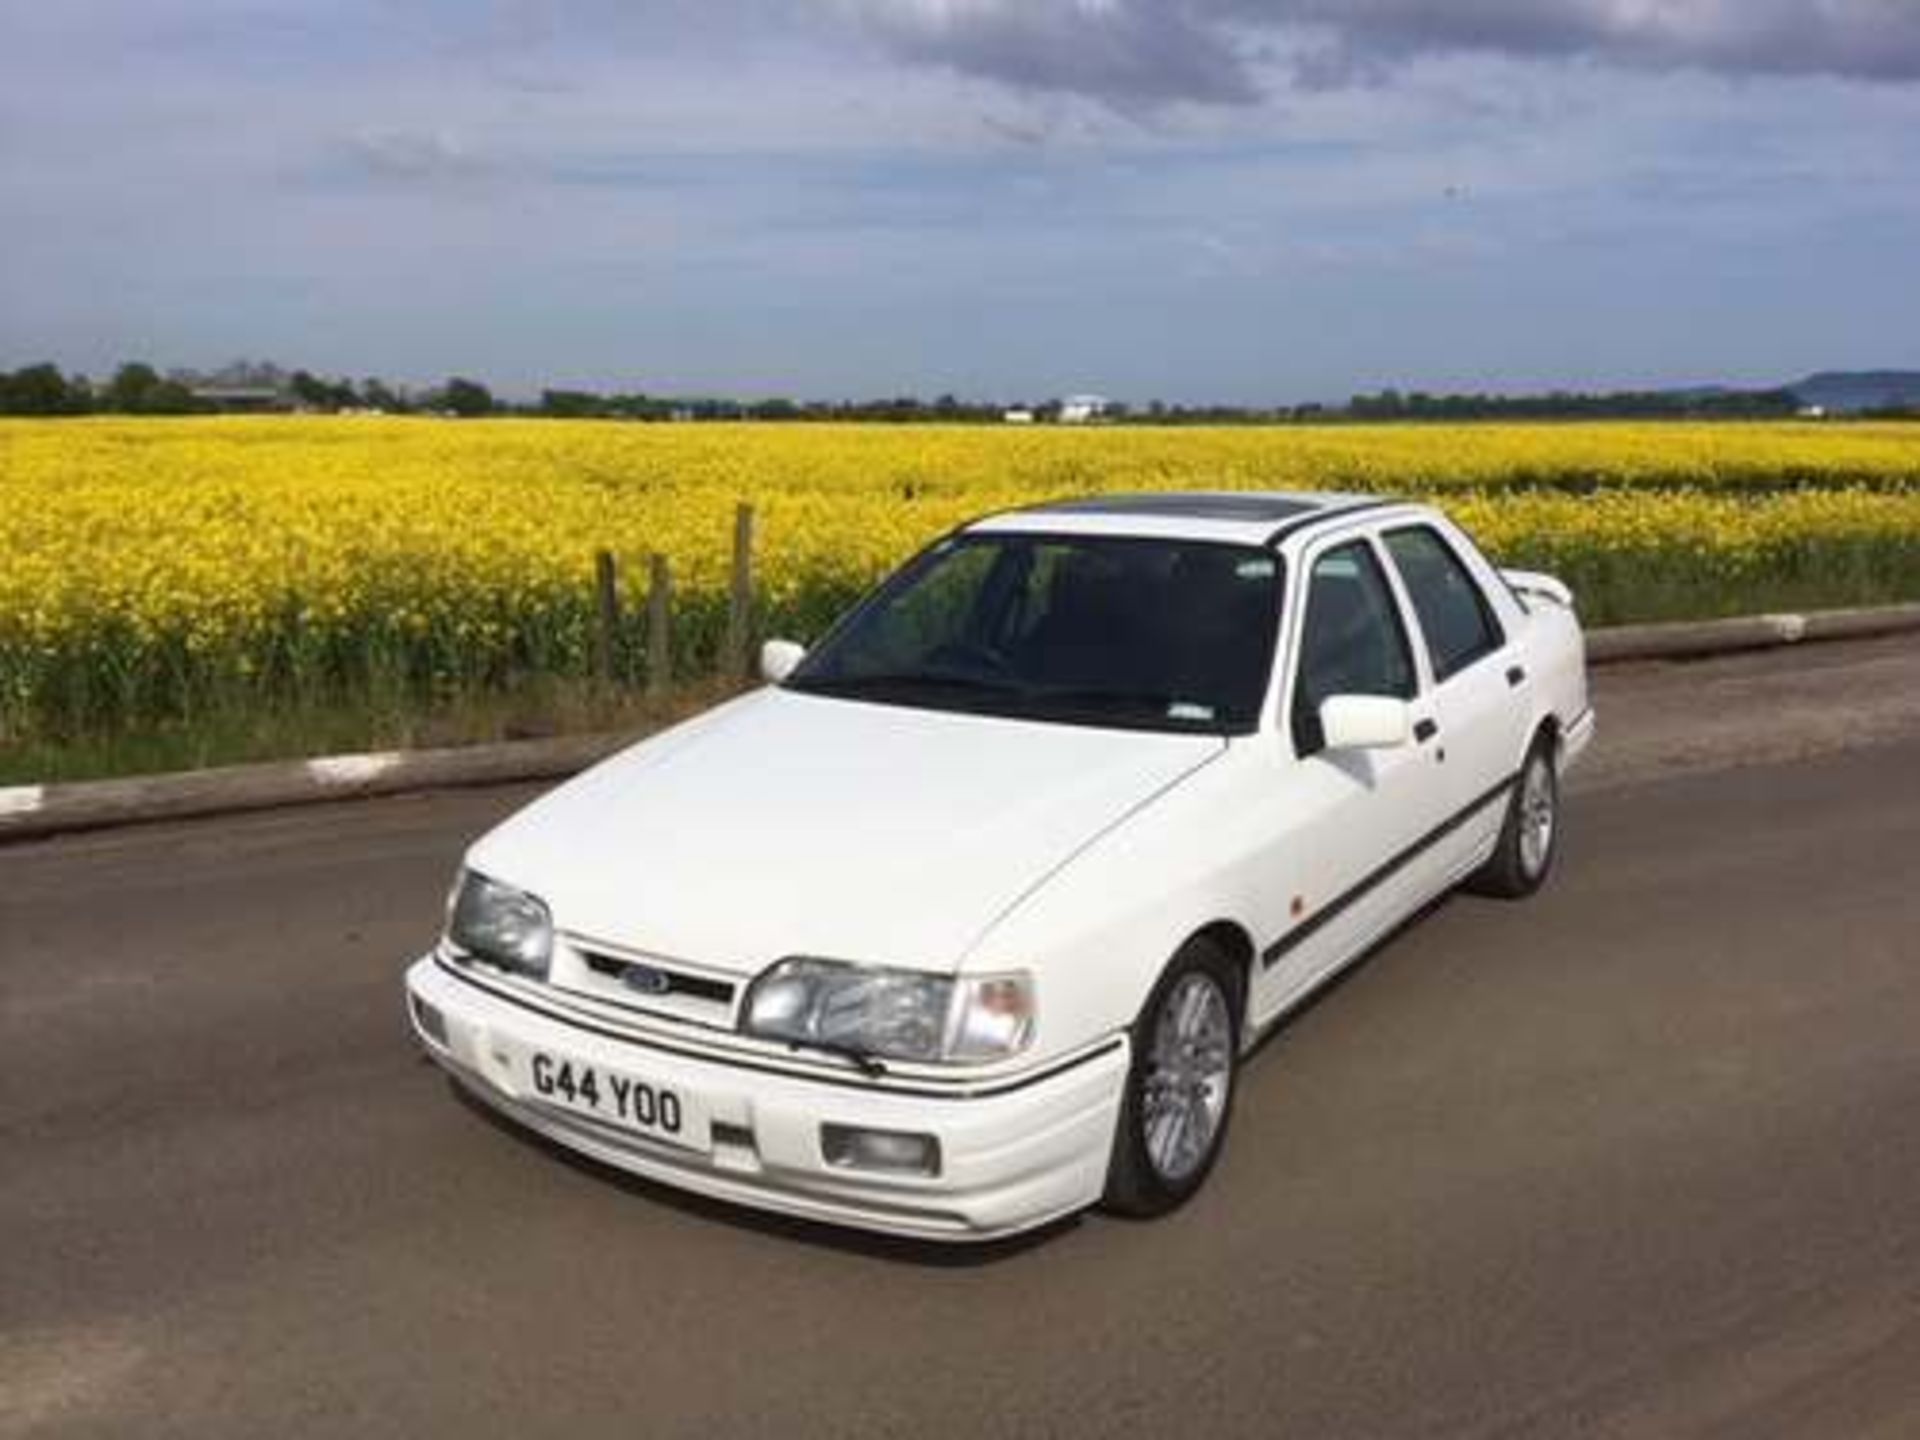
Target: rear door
[1476, 676]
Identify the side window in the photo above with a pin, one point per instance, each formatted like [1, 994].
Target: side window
[1351, 642]
[1459, 626]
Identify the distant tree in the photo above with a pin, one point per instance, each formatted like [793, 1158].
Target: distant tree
[132, 388]
[640, 406]
[138, 389]
[252, 374]
[1564, 404]
[316, 393]
[376, 394]
[572, 404]
[466, 397]
[310, 390]
[40, 390]
[169, 397]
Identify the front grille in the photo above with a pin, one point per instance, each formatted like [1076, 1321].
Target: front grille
[661, 979]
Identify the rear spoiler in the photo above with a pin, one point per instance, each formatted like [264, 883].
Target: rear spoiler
[1531, 585]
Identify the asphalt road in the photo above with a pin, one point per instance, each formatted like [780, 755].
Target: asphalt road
[1640, 1157]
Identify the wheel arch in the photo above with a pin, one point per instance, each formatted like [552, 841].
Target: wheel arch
[1232, 939]
[1548, 727]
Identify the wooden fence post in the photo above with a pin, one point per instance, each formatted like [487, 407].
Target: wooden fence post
[606, 585]
[659, 627]
[740, 595]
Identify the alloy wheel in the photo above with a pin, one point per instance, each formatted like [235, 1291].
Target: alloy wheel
[1537, 818]
[1185, 1099]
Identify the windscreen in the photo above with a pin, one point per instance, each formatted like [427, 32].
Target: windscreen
[1095, 630]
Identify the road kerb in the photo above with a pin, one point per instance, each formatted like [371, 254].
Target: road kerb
[1700, 638]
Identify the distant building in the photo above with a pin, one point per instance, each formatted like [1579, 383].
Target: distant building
[1018, 416]
[1083, 409]
[1813, 412]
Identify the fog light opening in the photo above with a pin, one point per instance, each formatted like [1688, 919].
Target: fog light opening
[432, 1023]
[902, 1152]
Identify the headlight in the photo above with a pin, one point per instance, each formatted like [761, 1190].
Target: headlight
[501, 925]
[902, 1014]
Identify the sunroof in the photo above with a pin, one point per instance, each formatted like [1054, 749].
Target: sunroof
[1196, 505]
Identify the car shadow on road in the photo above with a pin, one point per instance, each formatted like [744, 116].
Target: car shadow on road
[902, 1250]
[895, 1249]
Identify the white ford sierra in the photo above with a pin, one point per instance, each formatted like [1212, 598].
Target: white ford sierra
[965, 921]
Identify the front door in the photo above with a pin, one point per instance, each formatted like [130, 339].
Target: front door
[1349, 860]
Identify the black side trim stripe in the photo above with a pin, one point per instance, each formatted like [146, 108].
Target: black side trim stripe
[1331, 512]
[1330, 912]
[983, 1092]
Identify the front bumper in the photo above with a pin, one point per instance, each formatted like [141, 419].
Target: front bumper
[1012, 1157]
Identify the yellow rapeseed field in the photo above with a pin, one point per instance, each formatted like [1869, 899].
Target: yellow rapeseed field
[156, 566]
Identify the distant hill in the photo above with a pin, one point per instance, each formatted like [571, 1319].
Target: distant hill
[1849, 390]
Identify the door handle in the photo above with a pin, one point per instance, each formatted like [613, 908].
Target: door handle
[1516, 674]
[1424, 730]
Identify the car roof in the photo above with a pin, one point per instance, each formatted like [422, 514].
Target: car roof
[1255, 517]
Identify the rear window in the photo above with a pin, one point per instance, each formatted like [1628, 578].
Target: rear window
[1459, 626]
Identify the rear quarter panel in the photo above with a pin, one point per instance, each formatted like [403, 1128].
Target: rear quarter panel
[1557, 654]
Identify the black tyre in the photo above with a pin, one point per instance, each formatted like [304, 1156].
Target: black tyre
[1179, 1097]
[1530, 837]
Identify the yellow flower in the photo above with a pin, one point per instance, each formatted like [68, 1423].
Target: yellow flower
[144, 563]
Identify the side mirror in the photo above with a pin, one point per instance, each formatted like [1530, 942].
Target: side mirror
[1365, 722]
[777, 659]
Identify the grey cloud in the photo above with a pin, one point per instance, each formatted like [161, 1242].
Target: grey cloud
[1136, 54]
[1129, 53]
[1857, 39]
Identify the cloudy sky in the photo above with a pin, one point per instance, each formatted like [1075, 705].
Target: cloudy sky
[1252, 200]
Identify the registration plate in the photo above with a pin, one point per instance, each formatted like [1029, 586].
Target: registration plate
[645, 1107]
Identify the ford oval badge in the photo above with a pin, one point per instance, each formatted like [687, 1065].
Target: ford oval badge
[645, 979]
